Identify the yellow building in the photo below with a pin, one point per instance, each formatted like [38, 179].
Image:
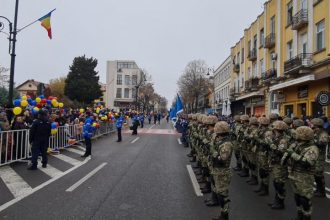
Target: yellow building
[282, 62]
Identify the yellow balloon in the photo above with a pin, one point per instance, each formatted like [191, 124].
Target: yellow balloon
[55, 104]
[54, 131]
[36, 109]
[24, 97]
[38, 100]
[60, 105]
[81, 110]
[24, 103]
[17, 110]
[94, 124]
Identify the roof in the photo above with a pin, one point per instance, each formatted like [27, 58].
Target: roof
[36, 83]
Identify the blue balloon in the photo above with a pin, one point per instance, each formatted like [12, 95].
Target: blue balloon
[49, 102]
[54, 125]
[17, 102]
[29, 101]
[42, 96]
[34, 103]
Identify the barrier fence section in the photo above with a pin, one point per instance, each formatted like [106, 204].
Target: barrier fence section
[15, 146]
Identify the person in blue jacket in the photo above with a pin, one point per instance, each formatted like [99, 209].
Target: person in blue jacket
[119, 124]
[135, 124]
[141, 118]
[88, 130]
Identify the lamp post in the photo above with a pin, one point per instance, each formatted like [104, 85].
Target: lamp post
[12, 51]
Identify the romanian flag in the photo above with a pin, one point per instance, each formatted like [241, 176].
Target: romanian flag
[45, 22]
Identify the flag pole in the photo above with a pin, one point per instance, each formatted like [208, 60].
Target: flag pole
[32, 22]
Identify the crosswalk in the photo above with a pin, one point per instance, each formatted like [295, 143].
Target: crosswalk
[16, 182]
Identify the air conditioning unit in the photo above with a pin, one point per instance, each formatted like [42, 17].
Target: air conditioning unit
[274, 56]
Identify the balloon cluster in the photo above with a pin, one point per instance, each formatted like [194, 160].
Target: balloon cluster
[35, 104]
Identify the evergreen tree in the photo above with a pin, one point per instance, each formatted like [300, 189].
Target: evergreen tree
[82, 82]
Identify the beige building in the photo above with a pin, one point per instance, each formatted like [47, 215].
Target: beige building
[30, 87]
[123, 79]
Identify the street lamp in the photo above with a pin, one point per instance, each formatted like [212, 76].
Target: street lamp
[12, 48]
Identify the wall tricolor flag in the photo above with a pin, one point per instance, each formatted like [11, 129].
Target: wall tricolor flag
[45, 22]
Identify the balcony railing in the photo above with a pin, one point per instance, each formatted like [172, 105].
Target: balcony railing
[269, 75]
[270, 41]
[300, 19]
[236, 68]
[234, 92]
[303, 60]
[252, 55]
[252, 84]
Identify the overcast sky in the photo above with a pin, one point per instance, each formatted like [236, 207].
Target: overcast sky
[162, 36]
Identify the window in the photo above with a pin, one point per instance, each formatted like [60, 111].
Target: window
[289, 50]
[262, 66]
[262, 37]
[125, 65]
[254, 42]
[242, 81]
[118, 95]
[289, 13]
[238, 57]
[133, 93]
[274, 103]
[320, 36]
[304, 5]
[127, 80]
[119, 79]
[134, 80]
[126, 93]
[249, 73]
[303, 43]
[254, 70]
[272, 25]
[242, 58]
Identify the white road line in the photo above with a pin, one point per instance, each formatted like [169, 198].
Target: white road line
[152, 126]
[16, 185]
[179, 141]
[67, 159]
[89, 175]
[12, 202]
[80, 147]
[50, 171]
[327, 173]
[326, 188]
[194, 181]
[74, 151]
[135, 140]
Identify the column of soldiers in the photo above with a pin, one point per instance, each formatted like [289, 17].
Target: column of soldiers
[263, 148]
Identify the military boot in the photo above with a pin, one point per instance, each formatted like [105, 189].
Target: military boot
[206, 188]
[223, 216]
[278, 205]
[253, 181]
[306, 217]
[300, 216]
[244, 172]
[320, 187]
[259, 189]
[193, 159]
[264, 191]
[238, 167]
[213, 201]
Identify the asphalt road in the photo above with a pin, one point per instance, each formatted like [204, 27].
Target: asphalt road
[147, 179]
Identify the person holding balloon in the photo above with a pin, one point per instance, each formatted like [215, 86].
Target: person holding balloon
[39, 138]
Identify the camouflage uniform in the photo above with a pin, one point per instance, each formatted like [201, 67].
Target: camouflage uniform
[321, 140]
[221, 157]
[303, 157]
[262, 154]
[250, 136]
[243, 145]
[237, 148]
[278, 146]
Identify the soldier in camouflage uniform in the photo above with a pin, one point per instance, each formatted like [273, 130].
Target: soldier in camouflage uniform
[262, 154]
[272, 117]
[237, 147]
[302, 160]
[278, 146]
[243, 145]
[250, 137]
[221, 156]
[191, 140]
[321, 140]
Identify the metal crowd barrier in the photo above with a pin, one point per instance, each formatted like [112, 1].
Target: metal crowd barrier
[15, 146]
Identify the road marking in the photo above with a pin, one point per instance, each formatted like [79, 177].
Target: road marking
[50, 171]
[179, 141]
[74, 151]
[152, 126]
[16, 185]
[12, 202]
[80, 147]
[67, 159]
[327, 173]
[135, 140]
[89, 175]
[194, 181]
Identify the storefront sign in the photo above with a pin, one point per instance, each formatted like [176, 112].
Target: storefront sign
[302, 92]
[323, 98]
[255, 100]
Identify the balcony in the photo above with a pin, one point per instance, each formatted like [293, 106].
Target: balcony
[300, 19]
[234, 93]
[252, 84]
[270, 41]
[252, 56]
[236, 68]
[298, 65]
[269, 76]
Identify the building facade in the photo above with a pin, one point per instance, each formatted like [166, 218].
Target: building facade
[32, 88]
[123, 78]
[222, 84]
[281, 64]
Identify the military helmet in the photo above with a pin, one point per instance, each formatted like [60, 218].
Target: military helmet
[280, 125]
[221, 127]
[237, 118]
[298, 123]
[273, 116]
[211, 120]
[194, 117]
[244, 118]
[253, 121]
[264, 121]
[317, 122]
[304, 133]
[288, 120]
[189, 116]
[199, 117]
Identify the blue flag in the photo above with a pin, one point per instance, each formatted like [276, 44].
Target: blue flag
[179, 105]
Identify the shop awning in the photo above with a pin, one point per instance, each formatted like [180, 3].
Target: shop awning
[292, 82]
[258, 93]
